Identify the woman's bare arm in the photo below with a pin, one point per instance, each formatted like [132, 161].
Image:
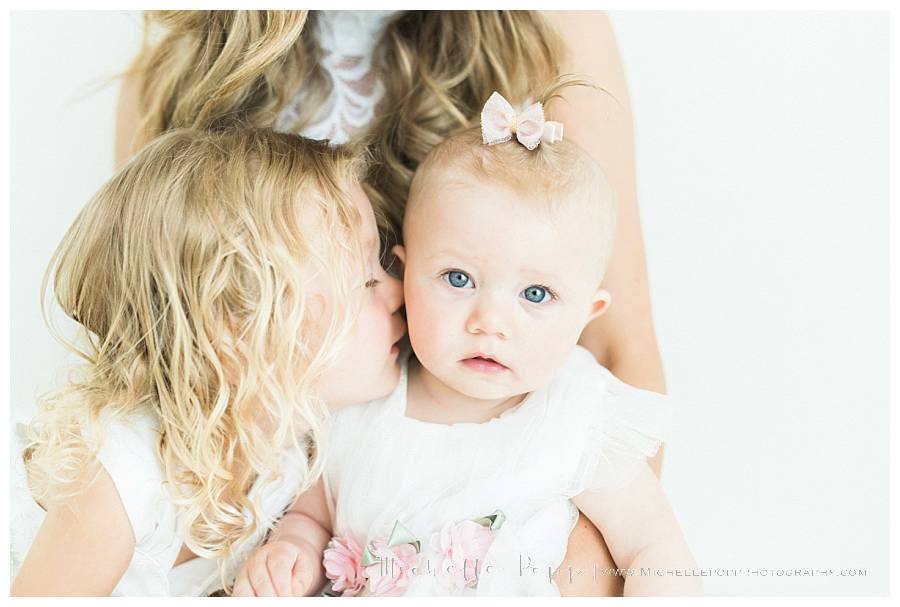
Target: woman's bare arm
[642, 532]
[623, 339]
[83, 547]
[127, 119]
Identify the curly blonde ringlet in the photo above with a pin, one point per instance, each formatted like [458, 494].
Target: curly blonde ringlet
[215, 66]
[189, 274]
[201, 68]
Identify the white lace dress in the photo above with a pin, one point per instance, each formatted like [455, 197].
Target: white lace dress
[347, 39]
[586, 430]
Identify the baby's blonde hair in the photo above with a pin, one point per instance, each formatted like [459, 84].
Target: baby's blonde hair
[188, 273]
[553, 175]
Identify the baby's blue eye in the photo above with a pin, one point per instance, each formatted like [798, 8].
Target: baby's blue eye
[536, 294]
[458, 279]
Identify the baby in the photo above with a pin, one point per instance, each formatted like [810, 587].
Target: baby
[466, 479]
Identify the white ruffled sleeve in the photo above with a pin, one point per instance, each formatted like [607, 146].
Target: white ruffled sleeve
[128, 453]
[623, 427]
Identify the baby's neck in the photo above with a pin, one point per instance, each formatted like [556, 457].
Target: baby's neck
[428, 399]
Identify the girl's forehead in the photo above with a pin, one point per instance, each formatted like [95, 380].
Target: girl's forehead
[364, 206]
[319, 217]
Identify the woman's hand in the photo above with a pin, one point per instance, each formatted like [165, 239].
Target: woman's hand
[588, 568]
[642, 533]
[280, 568]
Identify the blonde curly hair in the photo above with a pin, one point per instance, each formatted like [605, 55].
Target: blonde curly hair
[188, 274]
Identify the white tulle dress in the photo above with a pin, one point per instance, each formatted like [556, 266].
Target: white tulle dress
[392, 477]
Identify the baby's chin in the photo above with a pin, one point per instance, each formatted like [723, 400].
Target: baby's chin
[483, 389]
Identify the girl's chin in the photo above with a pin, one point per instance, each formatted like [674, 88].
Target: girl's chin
[386, 387]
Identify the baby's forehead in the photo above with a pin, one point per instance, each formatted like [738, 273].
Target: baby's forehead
[438, 187]
[498, 222]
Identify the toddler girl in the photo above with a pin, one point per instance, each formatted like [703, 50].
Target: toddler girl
[465, 480]
[227, 285]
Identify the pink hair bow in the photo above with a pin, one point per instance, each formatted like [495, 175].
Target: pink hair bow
[499, 122]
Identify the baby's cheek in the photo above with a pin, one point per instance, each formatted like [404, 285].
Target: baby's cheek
[422, 336]
[426, 328]
[547, 353]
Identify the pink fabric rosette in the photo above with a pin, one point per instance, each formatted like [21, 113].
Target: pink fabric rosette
[389, 576]
[342, 561]
[462, 546]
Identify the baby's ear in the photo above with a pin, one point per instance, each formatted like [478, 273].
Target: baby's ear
[600, 303]
[400, 256]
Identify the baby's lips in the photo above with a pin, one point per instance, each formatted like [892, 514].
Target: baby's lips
[484, 356]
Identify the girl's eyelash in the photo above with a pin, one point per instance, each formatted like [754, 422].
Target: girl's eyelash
[372, 282]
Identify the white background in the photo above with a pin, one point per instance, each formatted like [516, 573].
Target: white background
[762, 143]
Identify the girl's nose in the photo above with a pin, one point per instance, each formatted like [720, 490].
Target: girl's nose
[393, 290]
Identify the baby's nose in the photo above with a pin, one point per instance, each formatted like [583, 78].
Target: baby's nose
[490, 318]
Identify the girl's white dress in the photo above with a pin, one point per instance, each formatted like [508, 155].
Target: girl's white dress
[128, 454]
[586, 430]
